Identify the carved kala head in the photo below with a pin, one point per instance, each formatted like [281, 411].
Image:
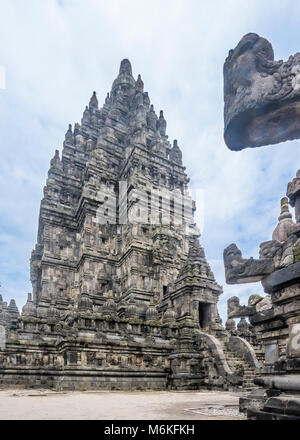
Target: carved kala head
[231, 255]
[261, 96]
[233, 304]
[251, 55]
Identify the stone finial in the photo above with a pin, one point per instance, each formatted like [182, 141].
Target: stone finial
[170, 314]
[76, 129]
[29, 308]
[69, 135]
[93, 102]
[146, 100]
[176, 154]
[151, 312]
[55, 161]
[109, 308]
[284, 207]
[13, 311]
[152, 119]
[230, 325]
[131, 311]
[13, 304]
[243, 325]
[125, 67]
[123, 83]
[162, 124]
[107, 99]
[86, 119]
[285, 222]
[139, 84]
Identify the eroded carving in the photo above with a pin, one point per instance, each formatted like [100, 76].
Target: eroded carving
[261, 95]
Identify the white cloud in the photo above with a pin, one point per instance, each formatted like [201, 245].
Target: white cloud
[56, 53]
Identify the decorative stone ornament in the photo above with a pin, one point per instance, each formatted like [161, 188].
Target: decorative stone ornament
[261, 95]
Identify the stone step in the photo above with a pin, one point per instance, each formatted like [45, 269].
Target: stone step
[235, 357]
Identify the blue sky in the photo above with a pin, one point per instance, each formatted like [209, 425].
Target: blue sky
[55, 53]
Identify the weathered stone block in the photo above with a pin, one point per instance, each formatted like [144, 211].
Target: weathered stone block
[271, 353]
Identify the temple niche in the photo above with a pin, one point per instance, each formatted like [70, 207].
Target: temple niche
[123, 296]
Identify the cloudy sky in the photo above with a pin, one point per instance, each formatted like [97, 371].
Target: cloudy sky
[56, 52]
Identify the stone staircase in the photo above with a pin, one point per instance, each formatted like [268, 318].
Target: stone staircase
[236, 361]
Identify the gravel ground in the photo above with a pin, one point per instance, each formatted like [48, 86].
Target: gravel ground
[46, 405]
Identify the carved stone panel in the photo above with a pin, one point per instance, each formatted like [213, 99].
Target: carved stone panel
[294, 341]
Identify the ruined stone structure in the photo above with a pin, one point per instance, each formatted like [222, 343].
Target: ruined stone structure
[122, 294]
[275, 319]
[261, 95]
[261, 102]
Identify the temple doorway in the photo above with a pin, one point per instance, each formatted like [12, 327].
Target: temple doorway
[204, 314]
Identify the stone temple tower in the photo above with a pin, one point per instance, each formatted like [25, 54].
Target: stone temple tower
[122, 294]
[116, 215]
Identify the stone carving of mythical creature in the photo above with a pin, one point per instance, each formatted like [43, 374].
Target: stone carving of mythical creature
[261, 95]
[240, 270]
[235, 310]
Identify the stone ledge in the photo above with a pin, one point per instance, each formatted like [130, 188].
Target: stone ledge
[282, 278]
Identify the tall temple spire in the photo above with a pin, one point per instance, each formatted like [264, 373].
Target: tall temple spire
[123, 140]
[104, 253]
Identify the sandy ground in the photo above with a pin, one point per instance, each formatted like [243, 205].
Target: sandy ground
[45, 405]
